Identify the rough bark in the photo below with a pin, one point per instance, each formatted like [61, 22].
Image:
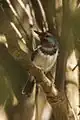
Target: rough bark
[38, 13]
[13, 71]
[67, 47]
[58, 102]
[49, 9]
[72, 85]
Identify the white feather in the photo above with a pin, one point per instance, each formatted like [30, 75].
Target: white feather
[45, 62]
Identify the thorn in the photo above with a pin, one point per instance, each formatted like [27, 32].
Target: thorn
[75, 67]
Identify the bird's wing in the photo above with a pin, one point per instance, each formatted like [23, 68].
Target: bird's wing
[33, 55]
[35, 52]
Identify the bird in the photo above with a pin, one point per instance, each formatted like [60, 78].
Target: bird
[46, 53]
[44, 57]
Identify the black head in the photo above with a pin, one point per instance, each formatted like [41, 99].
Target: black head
[46, 38]
[49, 43]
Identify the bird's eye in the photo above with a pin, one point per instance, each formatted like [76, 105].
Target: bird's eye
[47, 35]
[45, 39]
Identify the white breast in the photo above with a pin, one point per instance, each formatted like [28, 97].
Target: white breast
[45, 62]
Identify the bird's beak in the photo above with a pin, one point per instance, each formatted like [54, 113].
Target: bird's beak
[37, 32]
